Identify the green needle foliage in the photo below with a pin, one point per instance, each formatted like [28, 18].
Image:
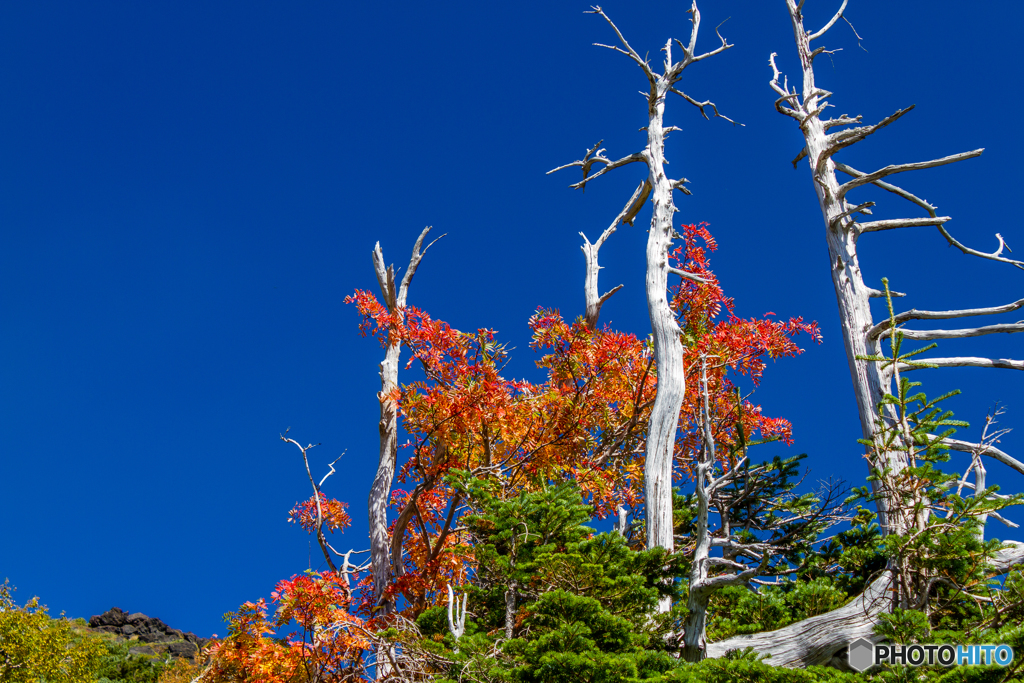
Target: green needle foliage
[579, 606]
[937, 548]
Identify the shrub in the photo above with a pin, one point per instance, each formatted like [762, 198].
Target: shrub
[35, 647]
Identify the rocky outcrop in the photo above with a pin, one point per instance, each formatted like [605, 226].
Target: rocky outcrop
[153, 636]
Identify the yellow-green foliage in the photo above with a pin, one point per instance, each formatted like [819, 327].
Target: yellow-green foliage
[35, 647]
[182, 671]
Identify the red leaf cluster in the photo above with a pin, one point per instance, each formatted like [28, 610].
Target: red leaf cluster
[585, 421]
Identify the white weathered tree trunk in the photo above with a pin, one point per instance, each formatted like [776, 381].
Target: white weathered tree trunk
[742, 559]
[380, 491]
[668, 348]
[843, 227]
[511, 598]
[818, 639]
[852, 295]
[701, 586]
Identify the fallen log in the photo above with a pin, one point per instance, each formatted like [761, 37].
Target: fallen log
[1008, 557]
[816, 640]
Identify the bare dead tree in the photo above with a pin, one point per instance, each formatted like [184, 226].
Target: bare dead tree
[380, 492]
[817, 640]
[762, 523]
[844, 224]
[348, 569]
[659, 188]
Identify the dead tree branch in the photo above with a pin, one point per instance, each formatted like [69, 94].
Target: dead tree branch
[931, 335]
[380, 491]
[668, 349]
[321, 539]
[914, 314]
[594, 301]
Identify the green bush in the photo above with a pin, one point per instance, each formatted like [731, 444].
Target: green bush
[117, 666]
[35, 647]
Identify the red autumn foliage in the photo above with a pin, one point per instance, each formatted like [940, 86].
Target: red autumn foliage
[586, 421]
[326, 644]
[333, 511]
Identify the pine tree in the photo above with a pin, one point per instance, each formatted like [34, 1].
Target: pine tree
[551, 600]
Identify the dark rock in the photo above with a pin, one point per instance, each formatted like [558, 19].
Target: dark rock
[156, 637]
[182, 649]
[146, 626]
[150, 635]
[153, 630]
[115, 616]
[200, 643]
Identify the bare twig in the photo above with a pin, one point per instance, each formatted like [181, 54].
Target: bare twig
[903, 168]
[966, 362]
[830, 24]
[914, 314]
[321, 539]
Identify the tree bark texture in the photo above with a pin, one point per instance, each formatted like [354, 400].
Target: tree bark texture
[380, 491]
[817, 639]
[668, 347]
[510, 609]
[852, 295]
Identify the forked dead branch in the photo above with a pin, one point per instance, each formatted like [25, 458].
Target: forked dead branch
[658, 187]
[380, 492]
[524, 434]
[762, 526]
[816, 640]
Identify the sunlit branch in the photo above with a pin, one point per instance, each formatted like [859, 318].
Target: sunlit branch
[931, 335]
[869, 178]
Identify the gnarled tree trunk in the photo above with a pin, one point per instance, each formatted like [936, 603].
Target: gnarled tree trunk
[668, 348]
[843, 228]
[818, 639]
[380, 492]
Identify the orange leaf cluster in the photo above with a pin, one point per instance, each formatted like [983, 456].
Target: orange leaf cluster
[585, 421]
[326, 645]
[334, 515]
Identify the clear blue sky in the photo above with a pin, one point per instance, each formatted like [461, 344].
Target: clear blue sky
[189, 189]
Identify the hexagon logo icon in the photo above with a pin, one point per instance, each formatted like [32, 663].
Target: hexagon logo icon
[861, 654]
